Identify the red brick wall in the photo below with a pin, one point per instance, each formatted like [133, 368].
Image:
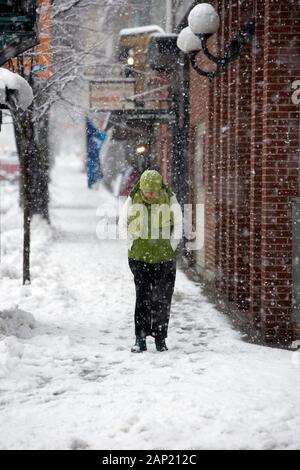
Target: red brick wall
[223, 200]
[216, 127]
[251, 162]
[242, 170]
[279, 163]
[202, 92]
[256, 163]
[231, 156]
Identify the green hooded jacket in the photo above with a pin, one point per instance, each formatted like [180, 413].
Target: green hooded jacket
[151, 224]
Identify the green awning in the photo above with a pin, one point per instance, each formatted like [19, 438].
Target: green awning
[18, 28]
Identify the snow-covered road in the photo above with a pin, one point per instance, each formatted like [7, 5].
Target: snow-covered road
[71, 382]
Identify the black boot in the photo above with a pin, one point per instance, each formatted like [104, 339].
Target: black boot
[140, 345]
[161, 345]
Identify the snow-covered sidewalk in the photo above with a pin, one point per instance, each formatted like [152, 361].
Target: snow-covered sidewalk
[68, 379]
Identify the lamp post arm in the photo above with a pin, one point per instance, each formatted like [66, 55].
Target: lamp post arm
[204, 38]
[234, 48]
[196, 67]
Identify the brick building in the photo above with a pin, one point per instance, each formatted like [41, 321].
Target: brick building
[233, 145]
[244, 163]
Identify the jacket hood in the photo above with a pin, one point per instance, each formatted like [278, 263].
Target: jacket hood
[137, 188]
[151, 181]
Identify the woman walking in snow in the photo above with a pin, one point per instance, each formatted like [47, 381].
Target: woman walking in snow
[151, 221]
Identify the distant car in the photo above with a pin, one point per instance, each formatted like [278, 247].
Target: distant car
[9, 164]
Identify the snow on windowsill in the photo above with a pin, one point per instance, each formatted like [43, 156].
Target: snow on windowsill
[142, 30]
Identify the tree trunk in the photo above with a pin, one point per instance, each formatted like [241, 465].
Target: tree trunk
[39, 170]
[33, 144]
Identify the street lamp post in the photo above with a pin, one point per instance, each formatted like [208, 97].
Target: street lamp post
[204, 21]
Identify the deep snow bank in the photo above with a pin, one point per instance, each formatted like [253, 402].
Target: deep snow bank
[16, 322]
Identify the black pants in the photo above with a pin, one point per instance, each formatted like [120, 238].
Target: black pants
[154, 285]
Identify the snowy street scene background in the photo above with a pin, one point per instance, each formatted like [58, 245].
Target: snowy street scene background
[110, 101]
[68, 379]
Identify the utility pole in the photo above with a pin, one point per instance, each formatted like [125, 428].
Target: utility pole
[169, 16]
